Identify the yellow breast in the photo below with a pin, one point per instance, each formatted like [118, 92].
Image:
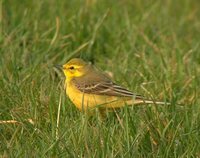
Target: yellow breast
[85, 101]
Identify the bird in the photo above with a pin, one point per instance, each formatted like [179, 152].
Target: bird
[89, 88]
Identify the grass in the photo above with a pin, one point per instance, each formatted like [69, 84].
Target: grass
[152, 47]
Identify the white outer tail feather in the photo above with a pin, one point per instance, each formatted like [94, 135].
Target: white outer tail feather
[140, 101]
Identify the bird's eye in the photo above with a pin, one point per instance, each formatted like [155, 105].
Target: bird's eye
[71, 68]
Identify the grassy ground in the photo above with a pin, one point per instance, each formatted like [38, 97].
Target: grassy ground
[152, 47]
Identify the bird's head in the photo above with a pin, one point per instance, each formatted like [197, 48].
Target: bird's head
[74, 68]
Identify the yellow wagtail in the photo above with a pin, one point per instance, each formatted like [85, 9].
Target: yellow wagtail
[87, 88]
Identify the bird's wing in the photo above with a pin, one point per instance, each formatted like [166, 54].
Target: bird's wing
[105, 88]
[96, 82]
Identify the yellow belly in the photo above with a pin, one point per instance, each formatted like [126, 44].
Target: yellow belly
[84, 101]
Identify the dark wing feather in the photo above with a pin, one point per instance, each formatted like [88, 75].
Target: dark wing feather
[96, 82]
[106, 88]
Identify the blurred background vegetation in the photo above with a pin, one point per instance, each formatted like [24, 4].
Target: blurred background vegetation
[151, 47]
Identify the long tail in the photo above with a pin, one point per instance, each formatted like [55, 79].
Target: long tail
[141, 101]
[122, 103]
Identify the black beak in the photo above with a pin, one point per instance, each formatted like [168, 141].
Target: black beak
[60, 67]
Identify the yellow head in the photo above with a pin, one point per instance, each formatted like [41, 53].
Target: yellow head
[74, 68]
